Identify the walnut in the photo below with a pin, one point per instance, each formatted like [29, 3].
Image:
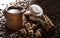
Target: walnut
[23, 32]
[30, 32]
[38, 33]
[27, 25]
[33, 26]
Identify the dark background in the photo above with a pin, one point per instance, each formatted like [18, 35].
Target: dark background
[52, 10]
